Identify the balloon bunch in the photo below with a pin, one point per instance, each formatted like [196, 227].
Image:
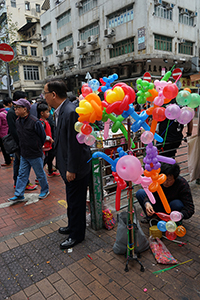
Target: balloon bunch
[168, 225]
[84, 133]
[186, 98]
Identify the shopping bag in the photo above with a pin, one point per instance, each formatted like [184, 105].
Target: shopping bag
[160, 252]
[193, 146]
[108, 219]
[9, 144]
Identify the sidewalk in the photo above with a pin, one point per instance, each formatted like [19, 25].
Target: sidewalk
[33, 267]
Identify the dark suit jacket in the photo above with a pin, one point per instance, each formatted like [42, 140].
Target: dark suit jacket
[70, 154]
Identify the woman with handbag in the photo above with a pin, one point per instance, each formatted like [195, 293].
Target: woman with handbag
[3, 132]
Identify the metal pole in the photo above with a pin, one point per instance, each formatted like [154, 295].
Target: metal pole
[8, 80]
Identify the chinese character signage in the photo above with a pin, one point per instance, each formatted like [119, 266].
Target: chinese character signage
[141, 38]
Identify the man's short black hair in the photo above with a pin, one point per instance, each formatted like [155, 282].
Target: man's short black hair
[1, 105]
[42, 107]
[168, 169]
[19, 94]
[7, 100]
[59, 87]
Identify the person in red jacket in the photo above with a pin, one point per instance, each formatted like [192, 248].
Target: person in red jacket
[43, 112]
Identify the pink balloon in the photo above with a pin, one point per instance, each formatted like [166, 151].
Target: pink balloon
[175, 216]
[129, 168]
[172, 111]
[147, 137]
[89, 140]
[185, 116]
[80, 137]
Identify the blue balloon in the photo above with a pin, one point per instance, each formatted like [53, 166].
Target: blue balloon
[93, 84]
[162, 226]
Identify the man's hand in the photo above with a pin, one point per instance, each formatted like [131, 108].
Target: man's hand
[70, 176]
[149, 209]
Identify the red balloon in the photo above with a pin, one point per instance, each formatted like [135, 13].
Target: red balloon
[85, 90]
[163, 216]
[159, 114]
[170, 91]
[170, 235]
[86, 129]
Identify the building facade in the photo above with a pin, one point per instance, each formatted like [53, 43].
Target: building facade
[125, 37]
[26, 69]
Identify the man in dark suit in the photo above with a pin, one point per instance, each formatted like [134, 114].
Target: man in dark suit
[71, 160]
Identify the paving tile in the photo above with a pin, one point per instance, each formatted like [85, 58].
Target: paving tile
[87, 264]
[54, 277]
[117, 291]
[46, 229]
[37, 296]
[63, 289]
[84, 276]
[38, 233]
[21, 239]
[45, 288]
[55, 297]
[3, 247]
[19, 296]
[12, 243]
[99, 290]
[82, 291]
[29, 291]
[100, 276]
[67, 275]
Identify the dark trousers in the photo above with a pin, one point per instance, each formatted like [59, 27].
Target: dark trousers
[5, 154]
[76, 192]
[49, 156]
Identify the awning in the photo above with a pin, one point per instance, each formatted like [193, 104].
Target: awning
[195, 77]
[26, 26]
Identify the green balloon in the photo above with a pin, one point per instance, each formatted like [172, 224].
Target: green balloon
[183, 98]
[195, 100]
[141, 99]
[139, 81]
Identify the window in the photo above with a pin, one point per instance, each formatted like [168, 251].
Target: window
[186, 17]
[46, 29]
[163, 12]
[13, 3]
[48, 50]
[66, 41]
[24, 50]
[64, 19]
[186, 48]
[15, 72]
[33, 51]
[123, 16]
[27, 5]
[88, 31]
[31, 73]
[37, 8]
[87, 6]
[123, 47]
[92, 59]
[163, 43]
[28, 20]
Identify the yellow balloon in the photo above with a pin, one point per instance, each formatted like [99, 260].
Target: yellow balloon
[81, 110]
[119, 92]
[82, 103]
[111, 97]
[89, 107]
[77, 126]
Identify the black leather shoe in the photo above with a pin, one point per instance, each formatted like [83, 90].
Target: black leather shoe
[68, 243]
[64, 230]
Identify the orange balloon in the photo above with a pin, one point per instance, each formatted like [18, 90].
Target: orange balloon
[180, 231]
[187, 89]
[153, 93]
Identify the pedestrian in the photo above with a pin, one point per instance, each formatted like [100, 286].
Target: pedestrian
[43, 113]
[31, 136]
[3, 132]
[11, 119]
[176, 190]
[72, 161]
[7, 102]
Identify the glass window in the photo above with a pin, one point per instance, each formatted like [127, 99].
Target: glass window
[118, 18]
[163, 12]
[24, 50]
[89, 30]
[33, 51]
[64, 19]
[31, 73]
[27, 5]
[186, 17]
[87, 5]
[66, 41]
[46, 29]
[186, 48]
[48, 50]
[37, 8]
[163, 43]
[13, 3]
[91, 60]
[123, 47]
[15, 73]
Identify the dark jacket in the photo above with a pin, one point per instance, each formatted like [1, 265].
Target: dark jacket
[11, 119]
[31, 136]
[71, 156]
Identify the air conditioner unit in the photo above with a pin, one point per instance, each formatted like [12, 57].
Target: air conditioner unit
[91, 53]
[92, 40]
[181, 41]
[78, 4]
[184, 11]
[157, 2]
[80, 44]
[57, 67]
[109, 46]
[109, 32]
[43, 39]
[44, 58]
[59, 53]
[67, 50]
[171, 5]
[81, 56]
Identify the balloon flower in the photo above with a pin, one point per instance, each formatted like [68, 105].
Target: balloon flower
[90, 109]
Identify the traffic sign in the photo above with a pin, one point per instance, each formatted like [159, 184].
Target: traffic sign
[6, 52]
[147, 76]
[176, 73]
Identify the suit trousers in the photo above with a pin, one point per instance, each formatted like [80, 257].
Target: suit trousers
[76, 192]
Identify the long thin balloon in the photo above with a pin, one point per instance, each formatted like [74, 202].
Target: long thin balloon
[163, 270]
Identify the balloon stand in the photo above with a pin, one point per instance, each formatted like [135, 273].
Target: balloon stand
[131, 255]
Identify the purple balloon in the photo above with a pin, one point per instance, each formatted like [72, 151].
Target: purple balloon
[147, 137]
[185, 116]
[80, 137]
[172, 111]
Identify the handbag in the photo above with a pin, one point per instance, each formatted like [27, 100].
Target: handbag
[193, 145]
[9, 144]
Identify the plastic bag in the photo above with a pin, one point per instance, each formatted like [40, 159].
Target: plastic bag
[160, 252]
[120, 245]
[108, 219]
